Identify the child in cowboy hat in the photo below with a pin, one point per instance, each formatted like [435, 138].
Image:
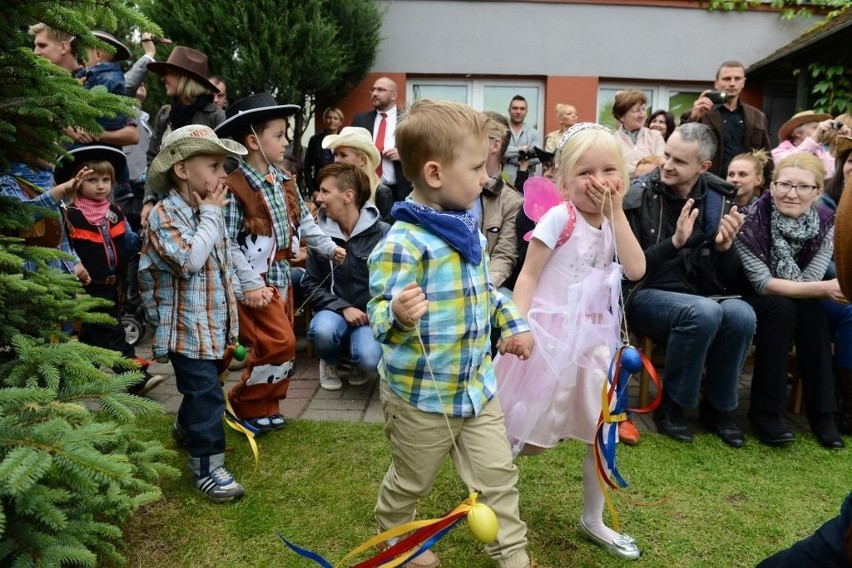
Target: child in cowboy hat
[185, 277]
[103, 70]
[184, 75]
[354, 145]
[104, 242]
[263, 220]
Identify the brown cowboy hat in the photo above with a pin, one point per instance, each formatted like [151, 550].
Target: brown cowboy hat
[800, 118]
[842, 144]
[185, 61]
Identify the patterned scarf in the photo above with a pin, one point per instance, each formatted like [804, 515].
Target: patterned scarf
[93, 211]
[788, 238]
[457, 228]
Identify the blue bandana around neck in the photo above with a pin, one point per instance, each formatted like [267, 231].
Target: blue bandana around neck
[39, 177]
[458, 228]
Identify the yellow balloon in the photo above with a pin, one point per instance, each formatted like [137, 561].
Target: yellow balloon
[483, 523]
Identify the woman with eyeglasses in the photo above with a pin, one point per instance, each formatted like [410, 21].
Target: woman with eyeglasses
[786, 245]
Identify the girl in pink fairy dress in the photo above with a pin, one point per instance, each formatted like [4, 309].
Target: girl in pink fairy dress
[568, 291]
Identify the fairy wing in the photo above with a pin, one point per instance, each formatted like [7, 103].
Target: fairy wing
[540, 194]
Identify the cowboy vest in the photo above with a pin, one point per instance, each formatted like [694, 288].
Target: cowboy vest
[257, 219]
[102, 250]
[755, 232]
[46, 231]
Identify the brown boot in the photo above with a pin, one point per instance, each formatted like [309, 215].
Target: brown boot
[425, 560]
[844, 401]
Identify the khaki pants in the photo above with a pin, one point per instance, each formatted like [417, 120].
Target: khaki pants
[419, 443]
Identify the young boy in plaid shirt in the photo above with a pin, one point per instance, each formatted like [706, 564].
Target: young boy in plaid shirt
[432, 310]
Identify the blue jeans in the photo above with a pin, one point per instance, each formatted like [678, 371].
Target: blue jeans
[329, 332]
[840, 320]
[201, 410]
[699, 333]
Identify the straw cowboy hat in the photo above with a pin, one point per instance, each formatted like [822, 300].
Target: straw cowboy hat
[841, 145]
[800, 118]
[358, 138]
[185, 61]
[253, 110]
[66, 166]
[121, 51]
[184, 143]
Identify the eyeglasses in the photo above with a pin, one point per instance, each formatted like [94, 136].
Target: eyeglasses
[783, 187]
[379, 90]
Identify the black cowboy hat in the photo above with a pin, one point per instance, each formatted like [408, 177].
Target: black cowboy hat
[66, 166]
[252, 110]
[121, 51]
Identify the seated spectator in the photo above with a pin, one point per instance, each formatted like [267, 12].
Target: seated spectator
[567, 117]
[662, 121]
[354, 145]
[634, 138]
[498, 205]
[686, 222]
[646, 165]
[316, 156]
[339, 294]
[785, 246]
[745, 172]
[805, 132]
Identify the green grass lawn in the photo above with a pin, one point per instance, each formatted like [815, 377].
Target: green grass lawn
[688, 505]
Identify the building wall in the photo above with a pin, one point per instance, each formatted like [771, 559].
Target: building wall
[571, 46]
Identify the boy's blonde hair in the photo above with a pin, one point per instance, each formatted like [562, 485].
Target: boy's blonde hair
[587, 137]
[433, 131]
[99, 168]
[804, 161]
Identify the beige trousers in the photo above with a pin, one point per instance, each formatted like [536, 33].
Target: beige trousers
[420, 441]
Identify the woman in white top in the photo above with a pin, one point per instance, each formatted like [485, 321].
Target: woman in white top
[636, 140]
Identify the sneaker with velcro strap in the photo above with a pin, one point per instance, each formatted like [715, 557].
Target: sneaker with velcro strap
[219, 486]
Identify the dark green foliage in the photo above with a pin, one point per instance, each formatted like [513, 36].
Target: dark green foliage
[72, 466]
[306, 52]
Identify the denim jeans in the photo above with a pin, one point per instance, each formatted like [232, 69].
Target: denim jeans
[840, 320]
[699, 333]
[329, 332]
[201, 410]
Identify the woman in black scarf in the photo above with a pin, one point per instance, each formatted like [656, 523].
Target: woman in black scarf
[184, 76]
[785, 246]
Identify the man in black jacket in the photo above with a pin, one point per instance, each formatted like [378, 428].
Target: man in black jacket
[686, 222]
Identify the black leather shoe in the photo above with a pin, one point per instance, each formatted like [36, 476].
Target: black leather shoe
[825, 431]
[669, 420]
[769, 429]
[720, 423]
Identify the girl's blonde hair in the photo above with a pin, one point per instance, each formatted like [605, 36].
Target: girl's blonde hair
[577, 144]
[758, 159]
[99, 168]
[803, 161]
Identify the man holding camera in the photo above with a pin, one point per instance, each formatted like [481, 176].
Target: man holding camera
[738, 127]
[523, 138]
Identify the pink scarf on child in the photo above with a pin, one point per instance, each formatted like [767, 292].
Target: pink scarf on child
[93, 211]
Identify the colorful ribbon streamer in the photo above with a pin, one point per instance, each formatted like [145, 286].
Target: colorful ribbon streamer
[423, 535]
[626, 361]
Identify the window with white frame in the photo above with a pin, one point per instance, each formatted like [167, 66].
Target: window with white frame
[673, 98]
[483, 94]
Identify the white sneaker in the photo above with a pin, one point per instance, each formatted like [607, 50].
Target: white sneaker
[328, 376]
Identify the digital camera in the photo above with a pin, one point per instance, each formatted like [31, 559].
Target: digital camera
[717, 97]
